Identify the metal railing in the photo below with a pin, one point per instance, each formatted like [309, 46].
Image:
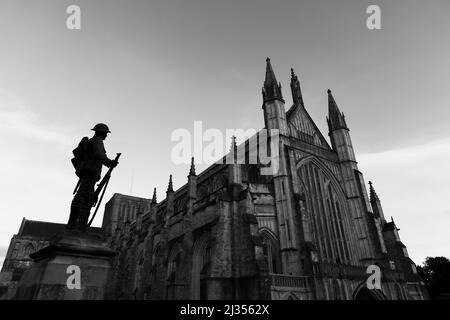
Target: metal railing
[282, 280]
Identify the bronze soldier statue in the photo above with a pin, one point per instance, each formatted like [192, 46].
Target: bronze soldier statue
[90, 156]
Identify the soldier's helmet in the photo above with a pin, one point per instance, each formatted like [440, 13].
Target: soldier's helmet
[100, 127]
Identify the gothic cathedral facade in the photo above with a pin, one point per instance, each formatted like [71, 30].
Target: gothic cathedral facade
[308, 231]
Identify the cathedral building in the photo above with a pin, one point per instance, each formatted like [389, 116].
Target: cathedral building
[124, 208]
[308, 231]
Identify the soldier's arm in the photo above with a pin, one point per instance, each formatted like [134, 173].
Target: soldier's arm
[98, 153]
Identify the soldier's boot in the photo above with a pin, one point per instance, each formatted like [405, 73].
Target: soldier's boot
[83, 219]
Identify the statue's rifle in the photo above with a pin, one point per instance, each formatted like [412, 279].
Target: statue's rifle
[101, 187]
[77, 186]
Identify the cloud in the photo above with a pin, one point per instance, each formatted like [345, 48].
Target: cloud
[16, 117]
[409, 155]
[36, 177]
[412, 183]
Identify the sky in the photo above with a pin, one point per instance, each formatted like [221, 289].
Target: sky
[147, 68]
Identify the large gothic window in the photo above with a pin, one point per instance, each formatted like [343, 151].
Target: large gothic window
[139, 267]
[154, 268]
[172, 272]
[325, 210]
[204, 272]
[202, 253]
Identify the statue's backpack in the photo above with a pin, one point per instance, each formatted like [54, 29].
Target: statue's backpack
[80, 153]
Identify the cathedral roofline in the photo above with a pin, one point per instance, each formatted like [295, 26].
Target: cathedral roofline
[43, 229]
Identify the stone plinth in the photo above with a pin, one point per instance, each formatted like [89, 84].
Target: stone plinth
[47, 279]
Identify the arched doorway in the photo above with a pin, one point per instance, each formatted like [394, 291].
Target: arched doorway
[363, 293]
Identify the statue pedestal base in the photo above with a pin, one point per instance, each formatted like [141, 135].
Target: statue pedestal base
[71, 256]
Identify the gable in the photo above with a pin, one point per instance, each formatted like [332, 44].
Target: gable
[302, 127]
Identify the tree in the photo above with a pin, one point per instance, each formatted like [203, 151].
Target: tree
[435, 272]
